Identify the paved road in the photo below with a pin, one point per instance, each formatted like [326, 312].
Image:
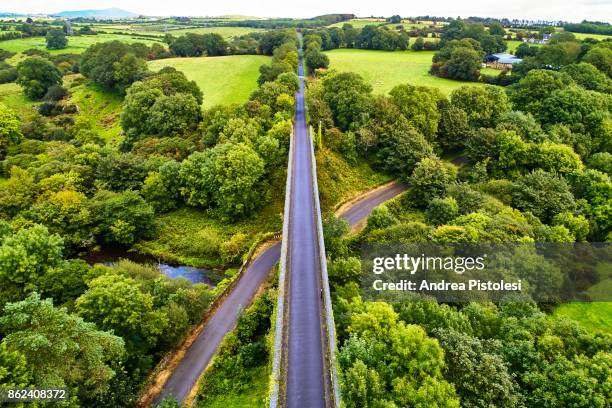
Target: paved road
[204, 347]
[306, 373]
[361, 209]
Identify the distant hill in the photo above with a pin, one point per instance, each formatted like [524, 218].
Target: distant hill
[2, 14]
[105, 13]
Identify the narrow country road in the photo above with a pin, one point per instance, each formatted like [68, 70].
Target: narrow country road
[223, 320]
[361, 209]
[306, 373]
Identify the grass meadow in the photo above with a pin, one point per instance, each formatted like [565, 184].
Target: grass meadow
[76, 44]
[160, 30]
[360, 22]
[385, 69]
[223, 80]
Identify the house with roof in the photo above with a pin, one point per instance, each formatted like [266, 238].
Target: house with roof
[533, 40]
[501, 60]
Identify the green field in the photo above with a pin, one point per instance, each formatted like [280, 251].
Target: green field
[600, 37]
[160, 30]
[76, 45]
[101, 108]
[12, 96]
[385, 69]
[223, 80]
[361, 22]
[596, 316]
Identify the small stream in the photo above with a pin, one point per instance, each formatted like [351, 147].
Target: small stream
[109, 256]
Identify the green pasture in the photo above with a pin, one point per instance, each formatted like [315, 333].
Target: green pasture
[176, 30]
[385, 69]
[76, 44]
[99, 107]
[361, 22]
[595, 316]
[223, 80]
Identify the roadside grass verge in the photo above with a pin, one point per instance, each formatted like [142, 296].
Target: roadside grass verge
[339, 180]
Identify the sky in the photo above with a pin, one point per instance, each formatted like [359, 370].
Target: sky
[575, 10]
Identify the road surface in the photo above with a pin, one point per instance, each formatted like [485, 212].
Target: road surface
[307, 376]
[359, 212]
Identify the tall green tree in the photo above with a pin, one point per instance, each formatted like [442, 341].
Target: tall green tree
[61, 349]
[37, 75]
[56, 39]
[10, 129]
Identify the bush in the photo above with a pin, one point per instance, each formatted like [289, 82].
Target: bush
[442, 210]
[8, 75]
[55, 93]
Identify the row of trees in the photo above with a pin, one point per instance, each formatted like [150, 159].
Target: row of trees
[370, 37]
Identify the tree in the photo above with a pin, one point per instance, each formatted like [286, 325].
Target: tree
[36, 76]
[442, 210]
[419, 104]
[453, 128]
[65, 213]
[315, 59]
[483, 105]
[395, 19]
[429, 180]
[116, 302]
[14, 371]
[380, 218]
[112, 64]
[25, 257]
[523, 125]
[491, 44]
[347, 95]
[419, 44]
[481, 378]
[121, 218]
[589, 77]
[601, 58]
[559, 54]
[10, 129]
[496, 28]
[577, 225]
[161, 188]
[166, 103]
[127, 70]
[402, 150]
[60, 348]
[581, 110]
[458, 59]
[17, 193]
[334, 229]
[529, 94]
[402, 356]
[226, 177]
[56, 39]
[544, 194]
[345, 270]
[174, 115]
